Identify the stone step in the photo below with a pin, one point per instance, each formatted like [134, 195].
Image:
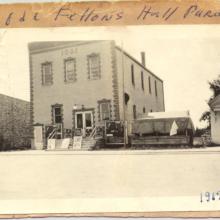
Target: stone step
[84, 142]
[88, 145]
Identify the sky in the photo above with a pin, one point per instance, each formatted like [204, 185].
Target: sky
[186, 57]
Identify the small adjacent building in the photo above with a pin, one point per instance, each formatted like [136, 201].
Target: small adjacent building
[163, 129]
[15, 128]
[81, 84]
[215, 119]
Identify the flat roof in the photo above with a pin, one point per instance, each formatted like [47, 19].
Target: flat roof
[13, 98]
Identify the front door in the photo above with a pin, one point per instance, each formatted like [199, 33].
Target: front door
[84, 121]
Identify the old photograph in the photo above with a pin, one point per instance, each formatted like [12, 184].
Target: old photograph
[118, 116]
[102, 115]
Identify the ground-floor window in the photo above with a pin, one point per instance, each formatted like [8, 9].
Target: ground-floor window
[57, 114]
[104, 109]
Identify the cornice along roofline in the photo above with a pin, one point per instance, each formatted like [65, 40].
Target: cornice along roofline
[46, 46]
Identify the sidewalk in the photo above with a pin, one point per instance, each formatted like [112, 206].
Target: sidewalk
[121, 151]
[108, 174]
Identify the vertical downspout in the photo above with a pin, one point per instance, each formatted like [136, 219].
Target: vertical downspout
[163, 97]
[31, 94]
[123, 91]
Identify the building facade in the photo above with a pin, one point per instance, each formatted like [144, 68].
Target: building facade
[82, 84]
[15, 129]
[215, 119]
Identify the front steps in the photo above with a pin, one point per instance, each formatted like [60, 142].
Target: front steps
[88, 143]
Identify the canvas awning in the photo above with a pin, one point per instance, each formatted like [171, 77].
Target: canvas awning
[162, 125]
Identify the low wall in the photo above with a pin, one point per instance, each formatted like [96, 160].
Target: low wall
[160, 140]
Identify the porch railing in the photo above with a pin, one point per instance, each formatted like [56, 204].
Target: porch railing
[53, 133]
[93, 133]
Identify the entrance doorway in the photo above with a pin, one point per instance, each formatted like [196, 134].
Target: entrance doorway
[84, 121]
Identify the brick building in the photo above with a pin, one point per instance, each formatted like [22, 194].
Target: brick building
[15, 129]
[83, 83]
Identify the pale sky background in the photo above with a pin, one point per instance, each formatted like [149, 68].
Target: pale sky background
[186, 57]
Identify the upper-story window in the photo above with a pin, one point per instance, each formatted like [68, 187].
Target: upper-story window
[155, 84]
[132, 75]
[134, 112]
[94, 68]
[149, 83]
[142, 80]
[70, 70]
[47, 74]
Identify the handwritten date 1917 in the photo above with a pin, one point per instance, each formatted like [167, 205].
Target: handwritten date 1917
[209, 196]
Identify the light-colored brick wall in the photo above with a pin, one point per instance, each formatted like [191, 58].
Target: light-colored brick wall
[82, 92]
[88, 92]
[139, 97]
[15, 130]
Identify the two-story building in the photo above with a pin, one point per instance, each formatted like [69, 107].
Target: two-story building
[80, 84]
